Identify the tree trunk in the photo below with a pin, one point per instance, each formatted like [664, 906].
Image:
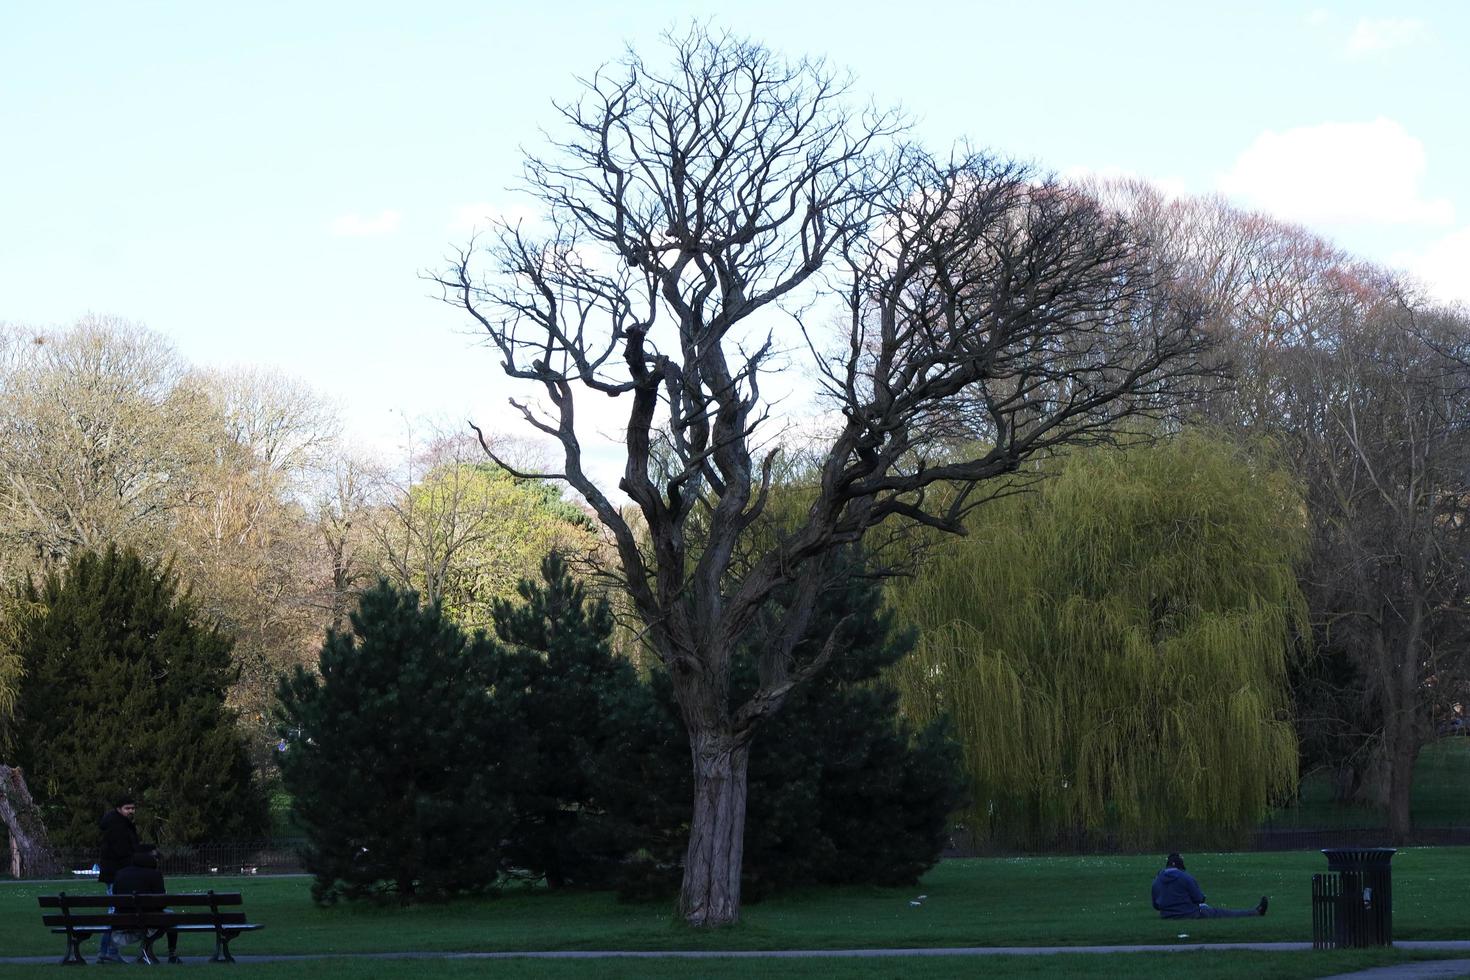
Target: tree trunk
[1401, 752]
[1400, 785]
[710, 895]
[1401, 731]
[30, 849]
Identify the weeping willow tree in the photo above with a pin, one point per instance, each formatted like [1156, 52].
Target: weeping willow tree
[1112, 648]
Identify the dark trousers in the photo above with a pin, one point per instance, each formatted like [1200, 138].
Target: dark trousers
[1210, 912]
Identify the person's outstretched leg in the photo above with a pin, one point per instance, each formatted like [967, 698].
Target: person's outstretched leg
[1211, 912]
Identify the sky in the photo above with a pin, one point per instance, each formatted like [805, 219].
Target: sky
[265, 183]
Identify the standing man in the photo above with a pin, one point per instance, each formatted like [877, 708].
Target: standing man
[119, 843]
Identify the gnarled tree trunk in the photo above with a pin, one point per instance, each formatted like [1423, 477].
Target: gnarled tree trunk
[30, 849]
[710, 894]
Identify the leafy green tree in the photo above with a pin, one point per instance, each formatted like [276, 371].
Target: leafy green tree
[465, 533]
[576, 705]
[394, 755]
[124, 690]
[1113, 647]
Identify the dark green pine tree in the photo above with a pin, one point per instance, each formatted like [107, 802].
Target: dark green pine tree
[394, 755]
[124, 691]
[841, 788]
[578, 707]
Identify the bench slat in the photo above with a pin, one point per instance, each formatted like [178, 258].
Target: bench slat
[142, 920]
[105, 901]
[93, 930]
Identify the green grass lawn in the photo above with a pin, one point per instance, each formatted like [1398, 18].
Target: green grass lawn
[1441, 795]
[1201, 965]
[979, 902]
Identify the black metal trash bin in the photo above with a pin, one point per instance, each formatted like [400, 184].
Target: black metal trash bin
[1352, 905]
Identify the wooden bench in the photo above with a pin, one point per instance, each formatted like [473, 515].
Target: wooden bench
[150, 916]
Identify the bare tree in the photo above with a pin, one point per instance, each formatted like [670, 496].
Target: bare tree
[1384, 440]
[341, 509]
[243, 542]
[99, 440]
[1363, 389]
[986, 316]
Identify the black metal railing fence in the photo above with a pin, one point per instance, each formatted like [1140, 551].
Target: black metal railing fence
[258, 857]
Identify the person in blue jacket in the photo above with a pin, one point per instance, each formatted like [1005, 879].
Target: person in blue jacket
[1177, 896]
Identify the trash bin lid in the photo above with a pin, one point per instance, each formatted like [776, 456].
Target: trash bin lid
[1358, 858]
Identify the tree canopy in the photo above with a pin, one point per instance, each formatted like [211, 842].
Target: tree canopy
[465, 533]
[1113, 647]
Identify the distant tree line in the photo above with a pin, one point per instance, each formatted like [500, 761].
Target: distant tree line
[235, 491]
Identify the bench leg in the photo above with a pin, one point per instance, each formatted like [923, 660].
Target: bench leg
[74, 950]
[222, 948]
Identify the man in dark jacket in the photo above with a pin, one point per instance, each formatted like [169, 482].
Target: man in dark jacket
[142, 877]
[119, 843]
[1177, 896]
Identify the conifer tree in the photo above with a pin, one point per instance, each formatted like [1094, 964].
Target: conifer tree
[850, 791]
[576, 705]
[124, 691]
[394, 755]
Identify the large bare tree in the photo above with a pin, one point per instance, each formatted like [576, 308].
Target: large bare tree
[711, 221]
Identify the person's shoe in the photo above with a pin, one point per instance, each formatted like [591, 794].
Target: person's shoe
[1261, 909]
[111, 958]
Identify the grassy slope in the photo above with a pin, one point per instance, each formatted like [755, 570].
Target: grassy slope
[987, 902]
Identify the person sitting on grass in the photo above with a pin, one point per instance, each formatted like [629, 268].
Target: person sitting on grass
[1177, 896]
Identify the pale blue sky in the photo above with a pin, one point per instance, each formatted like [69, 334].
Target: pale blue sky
[263, 182]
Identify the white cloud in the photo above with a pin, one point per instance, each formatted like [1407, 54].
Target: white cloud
[1319, 16]
[354, 225]
[1338, 172]
[1370, 36]
[1443, 267]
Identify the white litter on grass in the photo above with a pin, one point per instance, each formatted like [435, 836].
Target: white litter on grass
[1182, 935]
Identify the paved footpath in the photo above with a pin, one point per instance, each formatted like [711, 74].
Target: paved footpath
[1404, 971]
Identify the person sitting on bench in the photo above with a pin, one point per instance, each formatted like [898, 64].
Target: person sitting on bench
[1177, 896]
[142, 877]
